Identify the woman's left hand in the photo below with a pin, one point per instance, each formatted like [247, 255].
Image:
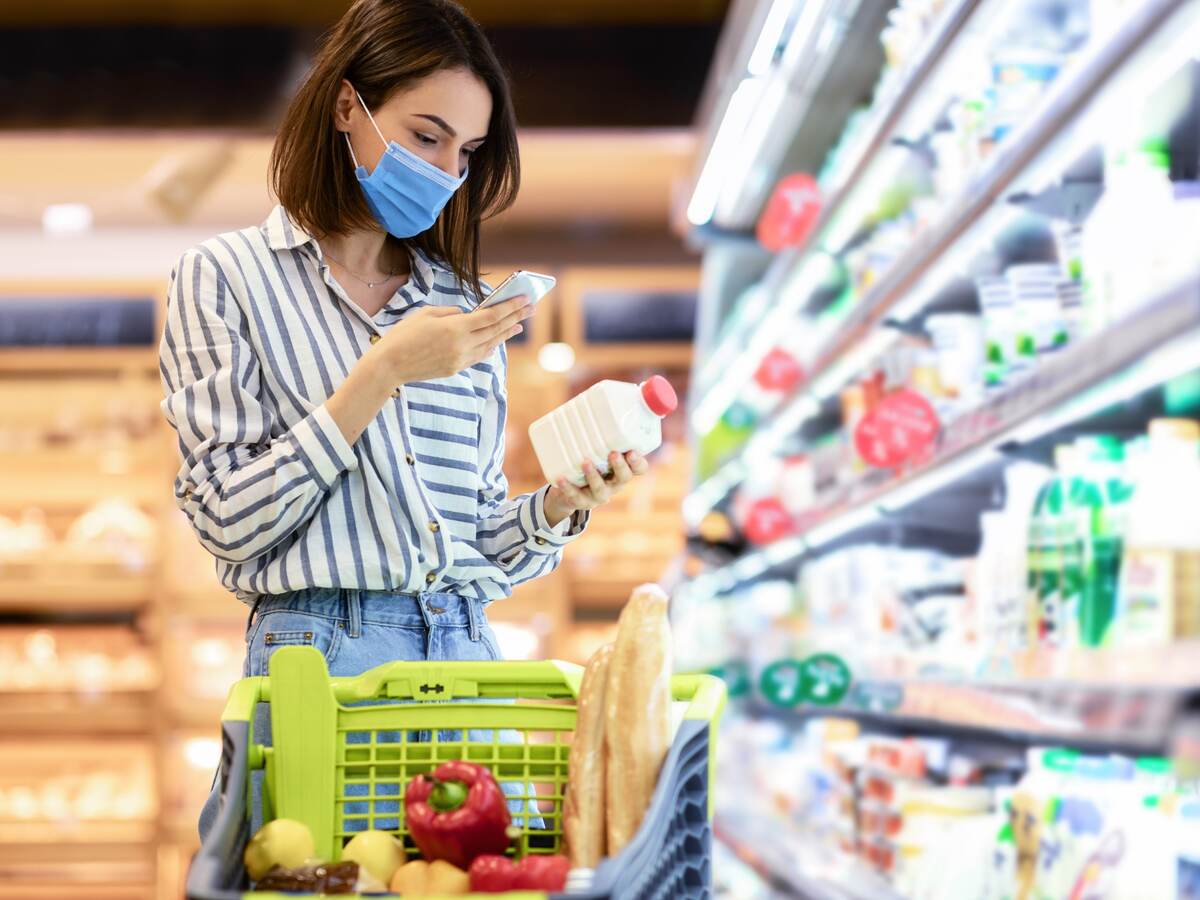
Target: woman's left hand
[566, 498]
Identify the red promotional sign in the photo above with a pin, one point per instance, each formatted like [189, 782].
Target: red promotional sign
[896, 431]
[767, 521]
[791, 212]
[779, 371]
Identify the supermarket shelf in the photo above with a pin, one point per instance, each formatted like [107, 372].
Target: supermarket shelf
[62, 713]
[1067, 97]
[88, 836]
[778, 853]
[67, 591]
[888, 110]
[1094, 716]
[1159, 342]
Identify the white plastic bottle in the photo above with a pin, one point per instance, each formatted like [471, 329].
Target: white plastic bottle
[609, 416]
[1159, 594]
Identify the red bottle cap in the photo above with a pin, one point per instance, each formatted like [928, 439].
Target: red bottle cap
[659, 396]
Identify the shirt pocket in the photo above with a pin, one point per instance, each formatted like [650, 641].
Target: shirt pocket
[290, 629]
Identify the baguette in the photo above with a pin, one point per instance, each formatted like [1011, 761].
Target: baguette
[583, 809]
[637, 712]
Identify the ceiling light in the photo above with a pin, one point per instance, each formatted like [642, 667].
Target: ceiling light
[557, 357]
[61, 219]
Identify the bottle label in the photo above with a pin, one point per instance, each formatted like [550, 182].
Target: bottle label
[1147, 582]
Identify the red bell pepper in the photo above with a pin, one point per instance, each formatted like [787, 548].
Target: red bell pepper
[457, 814]
[497, 874]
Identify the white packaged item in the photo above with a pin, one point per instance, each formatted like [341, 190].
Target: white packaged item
[999, 327]
[1159, 595]
[1041, 328]
[1128, 237]
[959, 341]
[611, 416]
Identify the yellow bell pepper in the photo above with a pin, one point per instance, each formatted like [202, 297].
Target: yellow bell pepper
[424, 879]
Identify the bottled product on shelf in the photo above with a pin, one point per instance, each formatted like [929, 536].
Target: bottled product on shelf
[1160, 568]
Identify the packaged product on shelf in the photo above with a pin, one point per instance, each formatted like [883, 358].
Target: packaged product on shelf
[1159, 594]
[1099, 499]
[999, 328]
[1040, 319]
[959, 343]
[1055, 571]
[1127, 237]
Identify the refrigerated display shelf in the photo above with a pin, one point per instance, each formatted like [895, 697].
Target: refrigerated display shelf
[772, 848]
[1159, 342]
[1065, 99]
[887, 110]
[1100, 716]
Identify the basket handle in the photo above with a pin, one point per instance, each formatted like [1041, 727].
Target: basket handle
[435, 681]
[704, 694]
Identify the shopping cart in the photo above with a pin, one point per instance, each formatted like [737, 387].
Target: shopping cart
[342, 749]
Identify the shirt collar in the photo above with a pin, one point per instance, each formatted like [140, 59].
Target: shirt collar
[284, 233]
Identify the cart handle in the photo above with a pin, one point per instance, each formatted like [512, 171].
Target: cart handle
[705, 694]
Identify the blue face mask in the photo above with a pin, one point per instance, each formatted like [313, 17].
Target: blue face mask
[405, 192]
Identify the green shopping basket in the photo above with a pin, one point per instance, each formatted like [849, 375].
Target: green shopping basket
[342, 749]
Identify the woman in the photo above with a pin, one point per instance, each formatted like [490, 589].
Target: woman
[340, 405]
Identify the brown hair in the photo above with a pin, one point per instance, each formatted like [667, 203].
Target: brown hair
[382, 46]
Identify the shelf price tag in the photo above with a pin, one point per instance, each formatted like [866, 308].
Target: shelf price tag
[736, 676]
[900, 429]
[791, 212]
[782, 683]
[767, 521]
[826, 679]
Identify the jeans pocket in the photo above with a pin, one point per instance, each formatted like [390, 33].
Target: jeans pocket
[290, 629]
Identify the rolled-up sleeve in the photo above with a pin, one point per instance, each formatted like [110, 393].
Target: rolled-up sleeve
[245, 491]
[514, 533]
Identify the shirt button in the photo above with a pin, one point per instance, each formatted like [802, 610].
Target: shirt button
[431, 578]
[539, 541]
[397, 393]
[435, 527]
[408, 458]
[376, 338]
[187, 494]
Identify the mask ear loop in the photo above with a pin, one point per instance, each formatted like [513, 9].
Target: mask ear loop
[371, 117]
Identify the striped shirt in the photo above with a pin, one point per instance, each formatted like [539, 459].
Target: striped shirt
[258, 336]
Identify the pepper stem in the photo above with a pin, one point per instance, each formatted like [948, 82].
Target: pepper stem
[447, 796]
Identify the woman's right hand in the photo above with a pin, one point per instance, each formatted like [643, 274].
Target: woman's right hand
[437, 342]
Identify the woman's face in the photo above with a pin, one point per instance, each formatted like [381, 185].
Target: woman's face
[442, 119]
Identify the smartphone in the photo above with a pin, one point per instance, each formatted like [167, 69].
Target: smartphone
[533, 285]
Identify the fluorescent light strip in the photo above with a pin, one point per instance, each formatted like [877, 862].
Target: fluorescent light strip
[841, 525]
[767, 442]
[938, 477]
[769, 37]
[724, 146]
[1165, 363]
[806, 25]
[698, 503]
[708, 412]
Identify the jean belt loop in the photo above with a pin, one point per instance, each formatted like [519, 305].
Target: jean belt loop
[422, 601]
[253, 611]
[354, 612]
[474, 615]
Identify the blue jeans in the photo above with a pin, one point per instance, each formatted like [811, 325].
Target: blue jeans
[356, 631]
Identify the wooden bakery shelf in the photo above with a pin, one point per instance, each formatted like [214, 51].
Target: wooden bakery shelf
[73, 589]
[77, 490]
[141, 833]
[61, 713]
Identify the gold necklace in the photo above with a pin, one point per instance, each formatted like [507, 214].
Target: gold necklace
[356, 276]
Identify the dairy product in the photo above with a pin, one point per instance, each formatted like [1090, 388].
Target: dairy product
[609, 416]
